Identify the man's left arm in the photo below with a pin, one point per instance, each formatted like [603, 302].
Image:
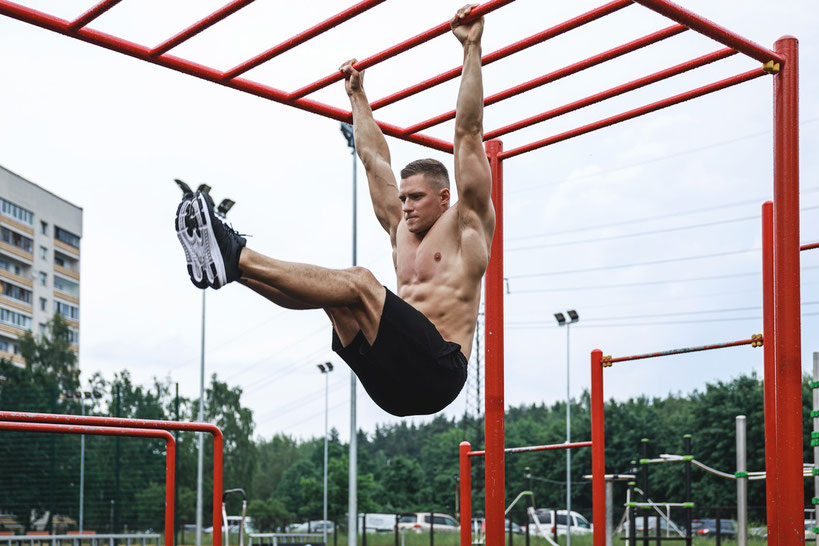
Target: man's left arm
[472, 174]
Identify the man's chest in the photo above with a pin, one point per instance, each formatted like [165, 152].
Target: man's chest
[426, 260]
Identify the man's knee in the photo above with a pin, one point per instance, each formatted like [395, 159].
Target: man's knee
[364, 281]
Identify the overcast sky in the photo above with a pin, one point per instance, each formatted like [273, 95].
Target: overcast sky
[682, 186]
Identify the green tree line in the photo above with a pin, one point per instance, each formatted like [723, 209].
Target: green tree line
[403, 467]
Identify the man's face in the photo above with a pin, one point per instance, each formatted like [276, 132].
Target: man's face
[423, 204]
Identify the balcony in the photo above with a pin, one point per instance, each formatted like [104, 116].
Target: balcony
[22, 281]
[18, 253]
[70, 250]
[17, 359]
[16, 304]
[14, 224]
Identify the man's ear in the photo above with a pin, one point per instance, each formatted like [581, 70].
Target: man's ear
[444, 195]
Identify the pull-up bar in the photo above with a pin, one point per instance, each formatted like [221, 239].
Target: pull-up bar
[809, 246]
[754, 341]
[528, 449]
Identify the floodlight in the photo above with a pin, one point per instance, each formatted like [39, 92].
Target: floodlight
[573, 315]
[347, 131]
[561, 319]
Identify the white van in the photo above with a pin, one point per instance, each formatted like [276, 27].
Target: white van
[549, 518]
[377, 523]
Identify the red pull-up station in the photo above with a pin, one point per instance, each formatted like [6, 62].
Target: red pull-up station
[782, 408]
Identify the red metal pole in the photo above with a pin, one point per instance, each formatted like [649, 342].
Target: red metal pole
[504, 52]
[579, 66]
[751, 341]
[676, 99]
[465, 465]
[495, 484]
[769, 377]
[613, 92]
[598, 450]
[170, 452]
[787, 347]
[406, 45]
[218, 443]
[712, 30]
[301, 37]
[809, 246]
[92, 14]
[200, 26]
[528, 449]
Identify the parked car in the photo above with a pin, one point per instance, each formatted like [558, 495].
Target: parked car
[314, 526]
[422, 521]
[549, 518]
[377, 523]
[707, 527]
[665, 528]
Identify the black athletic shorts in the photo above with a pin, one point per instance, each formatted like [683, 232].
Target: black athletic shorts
[410, 369]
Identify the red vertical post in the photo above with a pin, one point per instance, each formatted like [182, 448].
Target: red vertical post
[598, 439]
[465, 465]
[787, 341]
[170, 477]
[495, 484]
[218, 448]
[771, 500]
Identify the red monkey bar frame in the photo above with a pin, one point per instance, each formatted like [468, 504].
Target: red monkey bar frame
[782, 62]
[170, 452]
[115, 423]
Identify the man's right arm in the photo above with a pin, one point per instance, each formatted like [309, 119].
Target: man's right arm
[374, 153]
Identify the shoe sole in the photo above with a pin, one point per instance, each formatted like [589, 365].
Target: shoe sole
[180, 223]
[215, 261]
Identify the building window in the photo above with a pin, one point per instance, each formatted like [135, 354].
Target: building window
[4, 345]
[43, 278]
[66, 287]
[67, 237]
[18, 213]
[44, 227]
[15, 319]
[67, 310]
[42, 329]
[15, 239]
[43, 253]
[9, 266]
[73, 336]
[13, 291]
[43, 304]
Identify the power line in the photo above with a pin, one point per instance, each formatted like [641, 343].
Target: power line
[635, 264]
[644, 233]
[655, 160]
[653, 323]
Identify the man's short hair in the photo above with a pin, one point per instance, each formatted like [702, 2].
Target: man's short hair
[432, 169]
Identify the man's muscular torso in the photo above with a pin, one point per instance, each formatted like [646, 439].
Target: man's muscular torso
[440, 273]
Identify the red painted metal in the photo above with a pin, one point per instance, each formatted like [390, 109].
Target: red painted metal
[769, 383]
[614, 91]
[528, 449]
[465, 467]
[712, 30]
[598, 440]
[607, 360]
[579, 66]
[406, 45]
[81, 420]
[809, 246]
[676, 99]
[502, 53]
[495, 488]
[787, 346]
[170, 452]
[200, 26]
[131, 49]
[92, 14]
[302, 37]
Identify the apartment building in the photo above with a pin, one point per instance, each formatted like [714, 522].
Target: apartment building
[40, 237]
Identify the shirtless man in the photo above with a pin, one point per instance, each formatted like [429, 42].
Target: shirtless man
[410, 351]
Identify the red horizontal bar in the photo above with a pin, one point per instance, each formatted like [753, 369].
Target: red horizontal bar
[406, 45]
[527, 449]
[809, 246]
[126, 47]
[712, 30]
[92, 14]
[502, 53]
[676, 99]
[609, 360]
[196, 28]
[302, 37]
[613, 92]
[629, 47]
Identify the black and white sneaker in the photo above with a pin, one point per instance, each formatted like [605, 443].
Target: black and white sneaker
[223, 245]
[189, 235]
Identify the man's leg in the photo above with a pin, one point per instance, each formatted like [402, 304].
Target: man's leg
[343, 320]
[355, 289]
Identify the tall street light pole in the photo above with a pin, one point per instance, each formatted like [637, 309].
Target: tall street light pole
[221, 210]
[561, 321]
[352, 484]
[325, 368]
[82, 395]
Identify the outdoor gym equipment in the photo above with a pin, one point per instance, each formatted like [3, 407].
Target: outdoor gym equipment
[785, 441]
